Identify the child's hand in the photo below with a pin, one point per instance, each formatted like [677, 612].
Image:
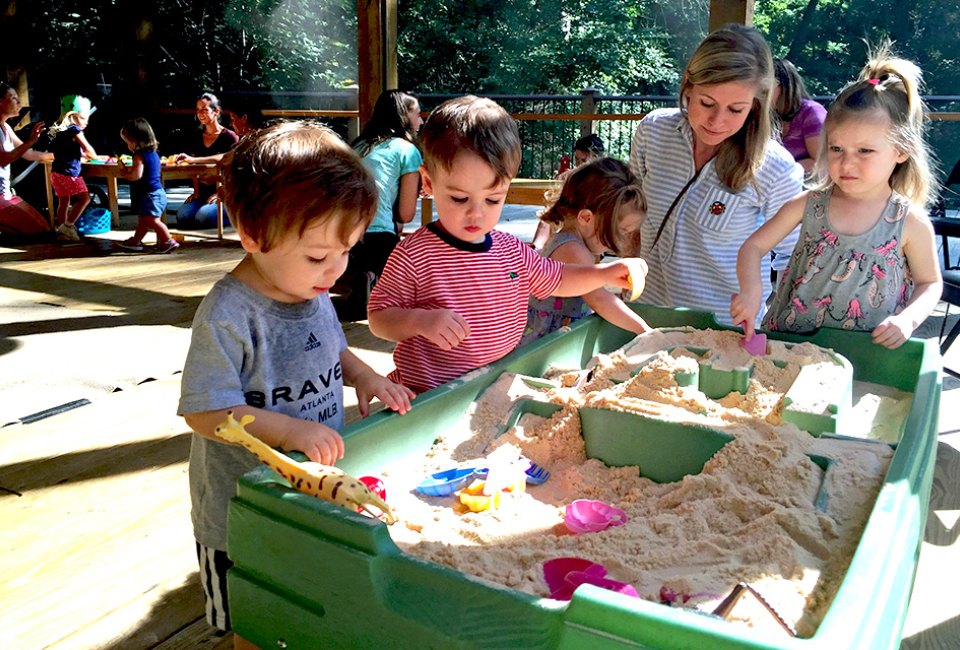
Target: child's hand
[444, 328]
[892, 332]
[627, 273]
[319, 442]
[395, 396]
[35, 132]
[744, 307]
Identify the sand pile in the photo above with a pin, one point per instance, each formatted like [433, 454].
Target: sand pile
[750, 516]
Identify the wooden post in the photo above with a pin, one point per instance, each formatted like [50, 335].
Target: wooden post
[730, 11]
[588, 106]
[390, 44]
[376, 51]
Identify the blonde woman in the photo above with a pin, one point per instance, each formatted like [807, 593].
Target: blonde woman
[711, 174]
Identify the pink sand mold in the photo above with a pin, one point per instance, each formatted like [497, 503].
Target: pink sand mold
[590, 516]
[563, 575]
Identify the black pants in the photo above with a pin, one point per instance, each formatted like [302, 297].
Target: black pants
[365, 265]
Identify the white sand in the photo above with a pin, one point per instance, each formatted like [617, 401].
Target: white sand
[749, 516]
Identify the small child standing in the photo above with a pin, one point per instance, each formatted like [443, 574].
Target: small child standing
[266, 340]
[866, 256]
[146, 187]
[454, 294]
[70, 147]
[598, 210]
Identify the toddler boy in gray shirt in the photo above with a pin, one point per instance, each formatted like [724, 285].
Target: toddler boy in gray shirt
[266, 340]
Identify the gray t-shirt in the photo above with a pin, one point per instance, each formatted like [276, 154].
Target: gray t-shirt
[248, 349]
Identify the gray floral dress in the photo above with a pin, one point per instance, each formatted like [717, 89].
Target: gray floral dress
[843, 281]
[552, 313]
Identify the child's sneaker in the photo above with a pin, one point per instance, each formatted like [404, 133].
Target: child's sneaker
[131, 245]
[167, 247]
[67, 232]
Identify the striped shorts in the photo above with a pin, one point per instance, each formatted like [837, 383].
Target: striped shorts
[213, 577]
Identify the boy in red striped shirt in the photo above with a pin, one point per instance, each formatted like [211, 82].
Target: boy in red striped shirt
[454, 294]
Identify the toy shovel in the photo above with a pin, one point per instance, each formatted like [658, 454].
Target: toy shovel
[755, 345]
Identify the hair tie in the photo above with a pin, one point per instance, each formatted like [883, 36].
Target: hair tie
[873, 82]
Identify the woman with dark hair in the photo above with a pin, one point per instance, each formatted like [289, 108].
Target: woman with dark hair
[16, 215]
[388, 146]
[801, 118]
[244, 113]
[212, 142]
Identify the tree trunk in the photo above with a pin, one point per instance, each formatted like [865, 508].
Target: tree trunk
[800, 35]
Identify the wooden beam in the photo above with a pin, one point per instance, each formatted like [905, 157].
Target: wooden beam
[376, 52]
[390, 44]
[370, 55]
[730, 11]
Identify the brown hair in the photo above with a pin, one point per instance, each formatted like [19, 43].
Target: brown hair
[736, 53]
[292, 175]
[474, 124]
[607, 188]
[792, 89]
[140, 133]
[888, 86]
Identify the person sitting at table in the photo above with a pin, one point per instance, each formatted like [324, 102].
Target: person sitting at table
[17, 217]
[801, 118]
[199, 210]
[244, 113]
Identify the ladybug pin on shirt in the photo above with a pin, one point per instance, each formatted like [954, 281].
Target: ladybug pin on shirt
[718, 208]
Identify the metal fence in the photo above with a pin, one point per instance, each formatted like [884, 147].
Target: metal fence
[550, 124]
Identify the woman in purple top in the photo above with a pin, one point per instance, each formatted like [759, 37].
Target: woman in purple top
[801, 118]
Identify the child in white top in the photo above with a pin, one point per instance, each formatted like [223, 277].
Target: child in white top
[866, 256]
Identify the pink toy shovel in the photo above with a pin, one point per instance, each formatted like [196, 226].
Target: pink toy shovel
[756, 344]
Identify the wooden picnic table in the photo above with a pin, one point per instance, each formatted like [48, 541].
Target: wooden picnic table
[523, 191]
[110, 171]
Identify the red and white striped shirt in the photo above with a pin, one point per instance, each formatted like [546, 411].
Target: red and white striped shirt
[489, 284]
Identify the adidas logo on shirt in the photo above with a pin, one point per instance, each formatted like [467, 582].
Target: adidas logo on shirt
[312, 343]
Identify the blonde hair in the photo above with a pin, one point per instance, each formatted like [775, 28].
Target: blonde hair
[293, 175]
[475, 124]
[70, 118]
[607, 188]
[890, 86]
[736, 53]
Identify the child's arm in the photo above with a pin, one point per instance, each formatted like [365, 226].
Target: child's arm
[134, 171]
[24, 149]
[745, 305]
[369, 384]
[581, 279]
[920, 249]
[319, 442]
[88, 150]
[607, 305]
[445, 328]
[198, 160]
[407, 197]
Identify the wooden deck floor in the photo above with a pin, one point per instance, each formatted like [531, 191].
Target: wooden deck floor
[98, 551]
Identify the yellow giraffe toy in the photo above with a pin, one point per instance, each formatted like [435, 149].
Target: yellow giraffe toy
[322, 481]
